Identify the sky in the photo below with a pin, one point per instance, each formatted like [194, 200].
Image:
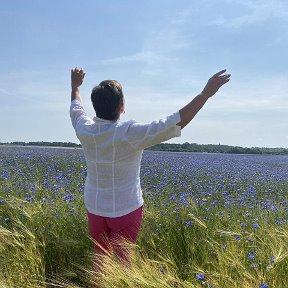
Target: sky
[161, 51]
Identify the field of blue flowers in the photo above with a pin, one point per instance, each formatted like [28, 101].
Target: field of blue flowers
[211, 220]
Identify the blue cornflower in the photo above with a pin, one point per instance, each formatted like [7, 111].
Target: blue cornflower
[161, 270]
[200, 276]
[275, 208]
[251, 256]
[30, 198]
[6, 219]
[188, 223]
[255, 225]
[263, 285]
[272, 260]
[173, 196]
[68, 197]
[237, 237]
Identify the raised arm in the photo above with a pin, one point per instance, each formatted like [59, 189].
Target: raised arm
[188, 112]
[77, 76]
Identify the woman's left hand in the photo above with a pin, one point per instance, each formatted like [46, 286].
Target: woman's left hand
[77, 76]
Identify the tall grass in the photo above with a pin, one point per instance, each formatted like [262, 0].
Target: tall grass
[210, 221]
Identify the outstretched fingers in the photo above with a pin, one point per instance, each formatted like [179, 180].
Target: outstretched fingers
[225, 78]
[77, 76]
[215, 82]
[78, 72]
[220, 78]
[219, 73]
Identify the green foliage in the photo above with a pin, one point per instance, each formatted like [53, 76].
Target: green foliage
[212, 148]
[185, 147]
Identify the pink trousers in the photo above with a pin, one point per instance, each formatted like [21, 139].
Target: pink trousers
[108, 233]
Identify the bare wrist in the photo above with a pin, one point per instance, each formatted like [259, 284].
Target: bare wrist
[204, 95]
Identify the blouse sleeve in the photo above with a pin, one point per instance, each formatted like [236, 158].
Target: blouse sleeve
[142, 136]
[77, 113]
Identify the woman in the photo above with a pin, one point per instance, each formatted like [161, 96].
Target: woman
[113, 151]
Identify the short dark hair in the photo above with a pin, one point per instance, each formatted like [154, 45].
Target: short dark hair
[107, 99]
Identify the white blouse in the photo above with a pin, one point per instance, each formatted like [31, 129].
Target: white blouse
[113, 152]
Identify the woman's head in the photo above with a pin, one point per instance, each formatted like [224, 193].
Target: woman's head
[107, 99]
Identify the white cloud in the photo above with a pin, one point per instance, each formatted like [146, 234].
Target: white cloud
[266, 94]
[146, 57]
[159, 46]
[4, 91]
[258, 12]
[35, 90]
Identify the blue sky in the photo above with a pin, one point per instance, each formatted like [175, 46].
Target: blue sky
[163, 53]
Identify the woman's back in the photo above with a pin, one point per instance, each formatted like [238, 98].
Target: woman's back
[113, 151]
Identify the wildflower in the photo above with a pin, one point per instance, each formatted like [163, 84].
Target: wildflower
[200, 276]
[263, 285]
[253, 265]
[255, 225]
[6, 219]
[30, 198]
[251, 256]
[68, 197]
[161, 270]
[188, 223]
[237, 237]
[275, 208]
[272, 260]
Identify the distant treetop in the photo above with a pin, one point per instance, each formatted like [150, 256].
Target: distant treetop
[185, 147]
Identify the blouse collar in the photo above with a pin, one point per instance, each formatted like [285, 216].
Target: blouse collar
[104, 121]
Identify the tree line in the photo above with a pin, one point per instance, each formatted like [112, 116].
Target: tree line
[44, 144]
[212, 148]
[185, 147]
